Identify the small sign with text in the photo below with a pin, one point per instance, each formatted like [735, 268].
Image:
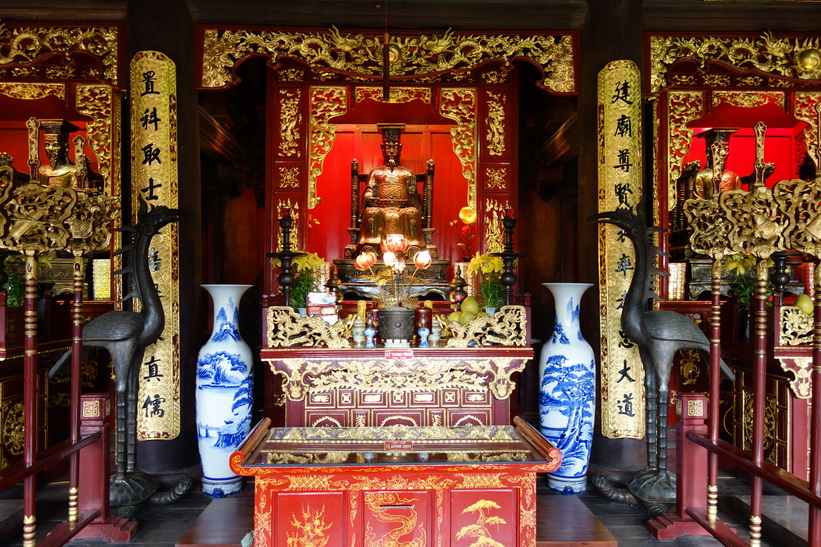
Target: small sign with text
[399, 446]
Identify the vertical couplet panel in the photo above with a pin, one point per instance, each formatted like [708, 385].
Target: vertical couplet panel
[154, 161]
[620, 187]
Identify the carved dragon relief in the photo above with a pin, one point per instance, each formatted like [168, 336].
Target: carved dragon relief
[422, 56]
[287, 329]
[22, 48]
[782, 58]
[302, 376]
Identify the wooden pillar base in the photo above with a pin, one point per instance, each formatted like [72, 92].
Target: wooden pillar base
[94, 486]
[691, 473]
[113, 530]
[670, 526]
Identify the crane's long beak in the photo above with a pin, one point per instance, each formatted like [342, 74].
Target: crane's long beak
[612, 217]
[601, 217]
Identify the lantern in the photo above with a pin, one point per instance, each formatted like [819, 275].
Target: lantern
[395, 243]
[365, 260]
[422, 260]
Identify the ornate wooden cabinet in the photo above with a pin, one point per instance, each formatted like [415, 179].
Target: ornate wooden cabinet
[447, 486]
[376, 387]
[787, 392]
[326, 381]
[55, 339]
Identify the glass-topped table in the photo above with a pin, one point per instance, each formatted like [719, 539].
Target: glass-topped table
[393, 445]
[428, 485]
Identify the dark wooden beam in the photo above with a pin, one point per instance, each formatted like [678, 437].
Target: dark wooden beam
[403, 14]
[82, 10]
[730, 16]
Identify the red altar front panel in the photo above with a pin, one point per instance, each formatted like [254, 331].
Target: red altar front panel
[366, 387]
[445, 513]
[386, 486]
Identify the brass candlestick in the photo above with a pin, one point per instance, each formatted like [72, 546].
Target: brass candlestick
[508, 256]
[286, 256]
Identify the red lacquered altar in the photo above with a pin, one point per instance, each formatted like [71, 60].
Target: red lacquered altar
[445, 486]
[379, 386]
[326, 381]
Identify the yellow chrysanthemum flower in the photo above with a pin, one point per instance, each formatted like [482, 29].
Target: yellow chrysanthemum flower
[737, 265]
[740, 264]
[485, 264]
[308, 261]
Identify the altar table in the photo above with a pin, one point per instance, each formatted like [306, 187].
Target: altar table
[413, 386]
[397, 485]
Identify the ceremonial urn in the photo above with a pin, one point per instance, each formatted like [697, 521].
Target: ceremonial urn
[224, 392]
[567, 380]
[396, 327]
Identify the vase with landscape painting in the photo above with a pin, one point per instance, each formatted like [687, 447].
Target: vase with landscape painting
[223, 392]
[567, 380]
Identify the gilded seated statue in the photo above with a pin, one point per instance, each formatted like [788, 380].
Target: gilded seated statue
[390, 202]
[705, 184]
[716, 178]
[60, 172]
[718, 148]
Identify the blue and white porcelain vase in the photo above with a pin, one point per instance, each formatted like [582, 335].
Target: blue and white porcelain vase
[224, 392]
[567, 398]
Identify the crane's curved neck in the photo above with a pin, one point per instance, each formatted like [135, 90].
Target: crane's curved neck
[152, 311]
[635, 300]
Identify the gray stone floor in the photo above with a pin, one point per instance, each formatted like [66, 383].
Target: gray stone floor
[162, 526]
[627, 523]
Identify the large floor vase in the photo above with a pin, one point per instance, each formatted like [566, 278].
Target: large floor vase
[224, 392]
[567, 380]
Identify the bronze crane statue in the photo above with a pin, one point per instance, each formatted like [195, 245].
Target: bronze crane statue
[126, 334]
[659, 334]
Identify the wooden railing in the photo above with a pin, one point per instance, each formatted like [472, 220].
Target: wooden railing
[760, 223]
[699, 450]
[87, 507]
[35, 220]
[86, 450]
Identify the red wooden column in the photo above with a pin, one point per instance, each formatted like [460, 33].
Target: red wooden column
[715, 384]
[691, 472]
[759, 340]
[814, 519]
[95, 464]
[76, 386]
[30, 399]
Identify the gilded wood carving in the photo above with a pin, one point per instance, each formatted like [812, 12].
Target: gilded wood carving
[423, 56]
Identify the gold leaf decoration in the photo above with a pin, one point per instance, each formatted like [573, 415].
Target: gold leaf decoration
[421, 56]
[28, 45]
[776, 57]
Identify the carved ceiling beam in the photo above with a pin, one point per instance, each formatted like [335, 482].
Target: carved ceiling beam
[787, 59]
[425, 57]
[59, 53]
